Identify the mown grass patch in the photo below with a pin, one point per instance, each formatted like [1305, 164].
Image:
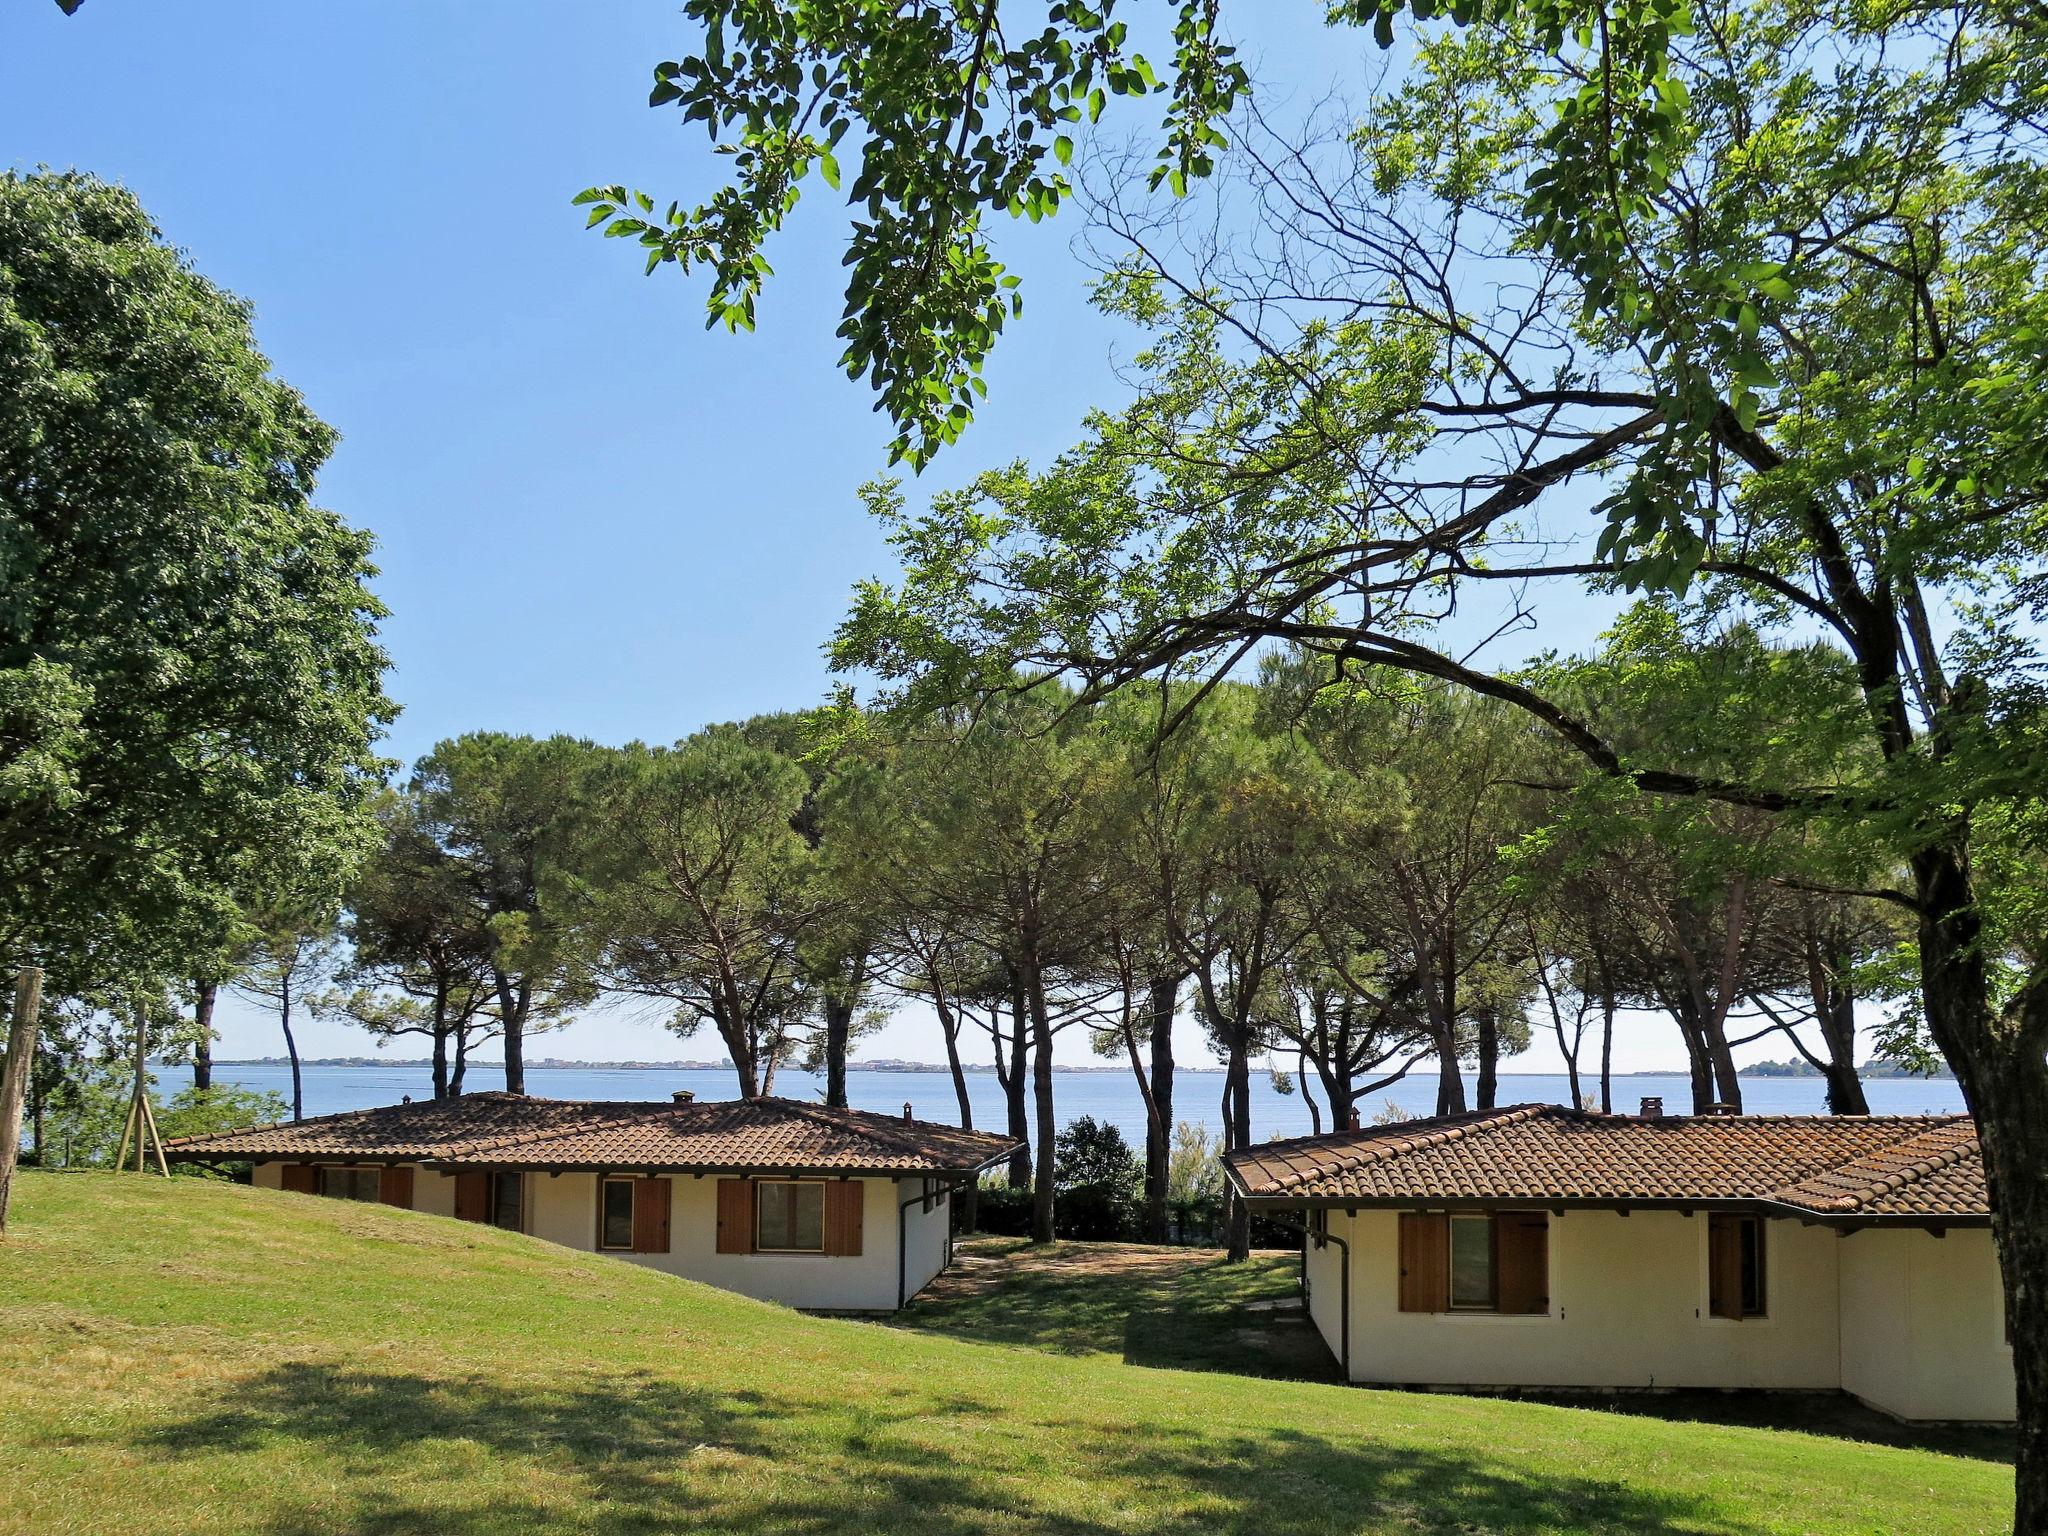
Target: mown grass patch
[191, 1357]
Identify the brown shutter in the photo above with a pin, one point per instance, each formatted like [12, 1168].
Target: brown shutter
[472, 1197]
[1724, 1266]
[1522, 1249]
[843, 1201]
[1425, 1262]
[650, 1215]
[302, 1178]
[394, 1187]
[735, 1216]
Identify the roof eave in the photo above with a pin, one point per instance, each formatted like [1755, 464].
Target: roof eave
[1297, 1200]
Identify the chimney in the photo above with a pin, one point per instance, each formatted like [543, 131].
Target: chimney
[685, 1095]
[906, 1109]
[1653, 1108]
[1354, 1117]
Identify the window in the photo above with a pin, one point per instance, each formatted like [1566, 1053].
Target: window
[350, 1183]
[505, 1205]
[1472, 1263]
[615, 1214]
[1478, 1261]
[1735, 1266]
[789, 1218]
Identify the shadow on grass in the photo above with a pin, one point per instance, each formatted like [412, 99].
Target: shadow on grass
[405, 1453]
[1815, 1413]
[1157, 1307]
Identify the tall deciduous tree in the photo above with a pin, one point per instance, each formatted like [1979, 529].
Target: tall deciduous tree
[190, 683]
[1770, 302]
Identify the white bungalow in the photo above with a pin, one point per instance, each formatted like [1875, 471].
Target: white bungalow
[833, 1209]
[1536, 1246]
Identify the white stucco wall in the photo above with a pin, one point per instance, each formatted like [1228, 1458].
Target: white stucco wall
[1923, 1325]
[1628, 1308]
[562, 1209]
[1326, 1289]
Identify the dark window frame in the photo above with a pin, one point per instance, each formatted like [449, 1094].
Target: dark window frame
[494, 1199]
[355, 1172]
[604, 1186]
[1752, 1268]
[792, 1185]
[1490, 1306]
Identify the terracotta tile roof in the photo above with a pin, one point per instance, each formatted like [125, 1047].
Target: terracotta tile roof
[1907, 1167]
[500, 1130]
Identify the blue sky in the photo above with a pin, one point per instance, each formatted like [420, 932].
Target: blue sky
[592, 515]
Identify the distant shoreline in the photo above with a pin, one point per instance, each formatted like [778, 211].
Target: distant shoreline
[552, 1064]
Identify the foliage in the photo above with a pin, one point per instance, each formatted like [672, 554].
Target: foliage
[693, 885]
[956, 117]
[190, 683]
[1092, 1152]
[83, 1126]
[1192, 1171]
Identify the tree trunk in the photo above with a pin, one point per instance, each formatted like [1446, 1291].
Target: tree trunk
[2002, 1070]
[22, 1024]
[512, 1006]
[461, 1063]
[1834, 1010]
[1607, 1054]
[1013, 1085]
[1315, 1110]
[1160, 998]
[1488, 1086]
[291, 1048]
[1443, 1002]
[204, 997]
[838, 1036]
[1041, 1092]
[1237, 1132]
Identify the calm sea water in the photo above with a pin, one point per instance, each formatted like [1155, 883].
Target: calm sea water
[1106, 1096]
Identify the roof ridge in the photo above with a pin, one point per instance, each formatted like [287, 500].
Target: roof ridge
[881, 1130]
[1387, 1143]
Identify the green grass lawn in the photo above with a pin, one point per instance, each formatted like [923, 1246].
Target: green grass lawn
[193, 1357]
[1183, 1308]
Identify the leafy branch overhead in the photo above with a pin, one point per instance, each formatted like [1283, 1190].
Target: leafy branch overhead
[949, 115]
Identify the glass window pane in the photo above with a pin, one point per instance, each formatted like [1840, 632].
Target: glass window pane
[618, 1214]
[1752, 1267]
[792, 1216]
[807, 1217]
[1471, 1261]
[505, 1201]
[349, 1183]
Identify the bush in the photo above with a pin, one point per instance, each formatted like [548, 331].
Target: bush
[1002, 1209]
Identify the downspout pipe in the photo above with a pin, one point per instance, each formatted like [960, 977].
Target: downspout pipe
[1343, 1279]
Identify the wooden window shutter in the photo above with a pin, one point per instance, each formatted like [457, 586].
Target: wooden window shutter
[473, 1196]
[650, 1215]
[1724, 1266]
[735, 1216]
[394, 1187]
[843, 1201]
[1522, 1259]
[1425, 1262]
[302, 1178]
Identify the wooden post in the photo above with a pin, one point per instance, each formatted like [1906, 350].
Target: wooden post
[141, 1118]
[21, 1055]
